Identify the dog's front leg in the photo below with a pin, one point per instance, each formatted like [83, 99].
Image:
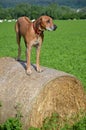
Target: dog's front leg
[38, 58]
[28, 60]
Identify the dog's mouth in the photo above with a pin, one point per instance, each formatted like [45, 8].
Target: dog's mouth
[53, 28]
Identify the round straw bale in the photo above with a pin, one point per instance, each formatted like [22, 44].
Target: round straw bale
[39, 95]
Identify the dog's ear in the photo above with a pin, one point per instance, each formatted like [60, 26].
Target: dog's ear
[38, 22]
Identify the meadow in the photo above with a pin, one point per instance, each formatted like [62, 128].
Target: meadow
[63, 49]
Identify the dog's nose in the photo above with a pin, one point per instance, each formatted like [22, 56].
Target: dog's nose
[55, 27]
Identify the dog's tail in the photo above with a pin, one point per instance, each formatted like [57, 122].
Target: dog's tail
[16, 27]
[17, 33]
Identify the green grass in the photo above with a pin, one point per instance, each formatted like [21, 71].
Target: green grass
[63, 49]
[80, 125]
[11, 124]
[53, 124]
[48, 124]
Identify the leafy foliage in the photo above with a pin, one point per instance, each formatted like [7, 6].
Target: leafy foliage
[49, 124]
[11, 124]
[80, 125]
[34, 11]
[53, 123]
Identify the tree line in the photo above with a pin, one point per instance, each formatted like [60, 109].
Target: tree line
[34, 11]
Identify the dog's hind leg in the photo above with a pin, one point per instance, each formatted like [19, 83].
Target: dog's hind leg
[19, 47]
[18, 38]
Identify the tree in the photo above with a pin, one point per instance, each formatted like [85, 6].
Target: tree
[22, 10]
[82, 13]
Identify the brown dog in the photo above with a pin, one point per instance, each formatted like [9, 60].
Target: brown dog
[32, 33]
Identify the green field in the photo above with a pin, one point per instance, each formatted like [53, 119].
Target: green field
[63, 49]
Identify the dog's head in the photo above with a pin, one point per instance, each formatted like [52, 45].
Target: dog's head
[46, 23]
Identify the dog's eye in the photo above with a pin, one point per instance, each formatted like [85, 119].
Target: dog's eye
[48, 21]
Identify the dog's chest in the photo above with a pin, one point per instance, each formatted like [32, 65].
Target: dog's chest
[36, 41]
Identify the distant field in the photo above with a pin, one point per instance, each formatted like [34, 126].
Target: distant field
[63, 49]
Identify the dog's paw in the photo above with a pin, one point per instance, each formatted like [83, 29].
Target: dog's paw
[39, 70]
[28, 72]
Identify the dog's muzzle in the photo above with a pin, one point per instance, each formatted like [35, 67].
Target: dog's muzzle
[53, 28]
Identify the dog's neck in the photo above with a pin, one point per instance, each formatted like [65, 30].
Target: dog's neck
[38, 30]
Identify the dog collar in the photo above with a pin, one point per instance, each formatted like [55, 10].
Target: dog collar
[37, 31]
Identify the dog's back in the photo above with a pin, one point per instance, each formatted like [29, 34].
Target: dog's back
[22, 25]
